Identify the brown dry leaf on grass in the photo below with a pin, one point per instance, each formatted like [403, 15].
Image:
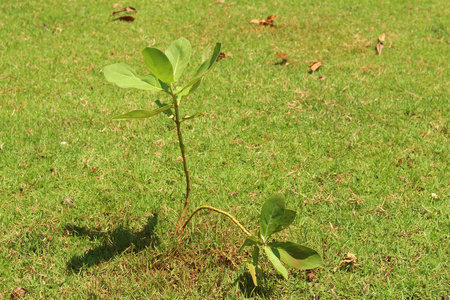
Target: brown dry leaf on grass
[282, 55]
[6, 76]
[379, 47]
[266, 22]
[310, 274]
[380, 43]
[69, 201]
[18, 293]
[124, 18]
[349, 260]
[127, 9]
[314, 66]
[284, 59]
[222, 55]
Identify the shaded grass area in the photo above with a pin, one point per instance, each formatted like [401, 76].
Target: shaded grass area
[359, 148]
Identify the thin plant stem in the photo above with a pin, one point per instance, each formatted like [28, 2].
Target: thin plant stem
[220, 212]
[185, 165]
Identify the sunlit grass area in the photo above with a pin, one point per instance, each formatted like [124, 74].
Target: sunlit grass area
[359, 148]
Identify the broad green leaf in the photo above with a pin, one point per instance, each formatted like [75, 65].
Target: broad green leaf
[210, 62]
[179, 53]
[288, 218]
[158, 63]
[296, 256]
[250, 241]
[188, 117]
[204, 68]
[150, 78]
[272, 214]
[206, 53]
[186, 92]
[141, 114]
[125, 77]
[274, 258]
[168, 112]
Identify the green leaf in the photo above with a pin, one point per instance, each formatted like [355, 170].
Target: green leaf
[186, 92]
[288, 218]
[204, 68]
[253, 265]
[150, 78]
[274, 258]
[141, 114]
[158, 63]
[255, 256]
[252, 270]
[206, 53]
[209, 62]
[188, 117]
[296, 256]
[272, 216]
[168, 112]
[250, 241]
[179, 53]
[125, 77]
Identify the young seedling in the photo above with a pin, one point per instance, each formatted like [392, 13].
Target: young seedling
[165, 70]
[275, 217]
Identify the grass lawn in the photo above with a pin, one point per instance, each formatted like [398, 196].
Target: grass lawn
[360, 148]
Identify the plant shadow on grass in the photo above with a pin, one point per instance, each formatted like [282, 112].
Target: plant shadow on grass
[119, 240]
[249, 290]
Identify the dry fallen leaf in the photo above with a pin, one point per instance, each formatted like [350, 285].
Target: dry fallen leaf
[270, 19]
[314, 66]
[257, 21]
[222, 55]
[349, 260]
[310, 274]
[380, 43]
[18, 292]
[379, 47]
[282, 55]
[69, 201]
[124, 18]
[266, 22]
[127, 9]
[6, 76]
